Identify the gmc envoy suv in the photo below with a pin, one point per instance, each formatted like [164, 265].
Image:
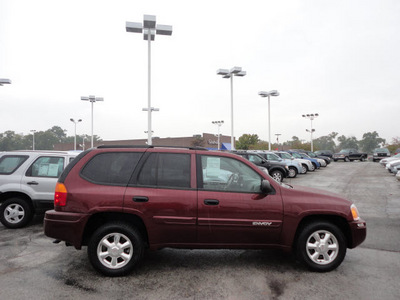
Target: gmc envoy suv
[120, 200]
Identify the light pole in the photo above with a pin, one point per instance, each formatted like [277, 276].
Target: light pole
[219, 124]
[235, 71]
[311, 117]
[75, 122]
[277, 138]
[33, 139]
[4, 81]
[269, 94]
[149, 30]
[92, 100]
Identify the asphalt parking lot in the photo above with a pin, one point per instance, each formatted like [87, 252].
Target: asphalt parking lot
[32, 267]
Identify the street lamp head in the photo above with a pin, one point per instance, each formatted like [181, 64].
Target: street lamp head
[149, 27]
[270, 93]
[222, 72]
[134, 27]
[4, 81]
[236, 70]
[241, 73]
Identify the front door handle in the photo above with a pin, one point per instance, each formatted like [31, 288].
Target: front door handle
[140, 199]
[33, 183]
[211, 202]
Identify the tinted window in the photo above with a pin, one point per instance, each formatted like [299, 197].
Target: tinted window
[8, 163]
[114, 168]
[166, 170]
[228, 174]
[46, 166]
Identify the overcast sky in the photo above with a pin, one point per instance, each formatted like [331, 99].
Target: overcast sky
[339, 59]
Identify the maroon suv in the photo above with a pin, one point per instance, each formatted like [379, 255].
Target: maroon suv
[119, 201]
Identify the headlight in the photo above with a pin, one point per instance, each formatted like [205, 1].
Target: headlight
[354, 212]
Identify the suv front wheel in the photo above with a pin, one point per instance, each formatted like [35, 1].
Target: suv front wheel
[15, 213]
[321, 246]
[115, 248]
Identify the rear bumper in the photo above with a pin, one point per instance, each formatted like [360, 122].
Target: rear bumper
[358, 230]
[68, 227]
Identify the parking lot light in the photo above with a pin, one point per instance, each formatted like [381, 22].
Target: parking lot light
[311, 117]
[219, 124]
[263, 94]
[225, 73]
[75, 122]
[149, 30]
[92, 99]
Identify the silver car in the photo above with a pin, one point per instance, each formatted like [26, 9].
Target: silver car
[27, 183]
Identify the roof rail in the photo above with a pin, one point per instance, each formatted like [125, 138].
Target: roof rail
[147, 146]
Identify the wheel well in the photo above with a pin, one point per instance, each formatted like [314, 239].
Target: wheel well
[99, 219]
[340, 222]
[8, 195]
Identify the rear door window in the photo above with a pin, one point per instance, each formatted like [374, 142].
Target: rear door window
[112, 168]
[10, 163]
[46, 166]
[169, 170]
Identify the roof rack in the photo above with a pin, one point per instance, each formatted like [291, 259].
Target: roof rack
[147, 146]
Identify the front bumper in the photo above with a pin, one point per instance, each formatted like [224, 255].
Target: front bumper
[358, 231]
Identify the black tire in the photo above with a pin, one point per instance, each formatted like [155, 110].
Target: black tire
[335, 160]
[305, 168]
[362, 158]
[315, 166]
[293, 172]
[347, 159]
[125, 248]
[277, 175]
[325, 253]
[15, 213]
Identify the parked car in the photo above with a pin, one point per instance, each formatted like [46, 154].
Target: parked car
[380, 153]
[293, 165]
[392, 166]
[314, 155]
[277, 170]
[327, 153]
[315, 163]
[27, 183]
[306, 165]
[397, 151]
[118, 201]
[350, 155]
[384, 161]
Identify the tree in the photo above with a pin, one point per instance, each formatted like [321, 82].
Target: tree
[9, 140]
[198, 141]
[326, 142]
[350, 142]
[246, 141]
[370, 141]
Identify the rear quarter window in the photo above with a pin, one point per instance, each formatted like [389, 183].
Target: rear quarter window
[10, 163]
[112, 168]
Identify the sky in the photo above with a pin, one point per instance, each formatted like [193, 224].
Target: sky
[339, 59]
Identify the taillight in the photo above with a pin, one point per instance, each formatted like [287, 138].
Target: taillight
[60, 196]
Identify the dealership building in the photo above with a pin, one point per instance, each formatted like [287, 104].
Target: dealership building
[206, 140]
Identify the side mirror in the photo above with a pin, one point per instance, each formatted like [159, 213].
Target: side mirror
[266, 187]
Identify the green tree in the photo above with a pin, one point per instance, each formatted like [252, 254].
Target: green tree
[246, 141]
[197, 141]
[326, 142]
[370, 141]
[394, 145]
[9, 140]
[347, 142]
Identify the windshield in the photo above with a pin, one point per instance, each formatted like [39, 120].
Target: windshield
[286, 155]
[345, 151]
[310, 154]
[296, 155]
[381, 150]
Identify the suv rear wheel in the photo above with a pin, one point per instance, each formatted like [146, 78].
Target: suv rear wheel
[115, 248]
[321, 246]
[15, 213]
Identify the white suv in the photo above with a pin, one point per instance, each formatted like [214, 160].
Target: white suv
[27, 183]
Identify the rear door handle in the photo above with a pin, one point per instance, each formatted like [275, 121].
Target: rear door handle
[140, 199]
[211, 202]
[33, 183]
